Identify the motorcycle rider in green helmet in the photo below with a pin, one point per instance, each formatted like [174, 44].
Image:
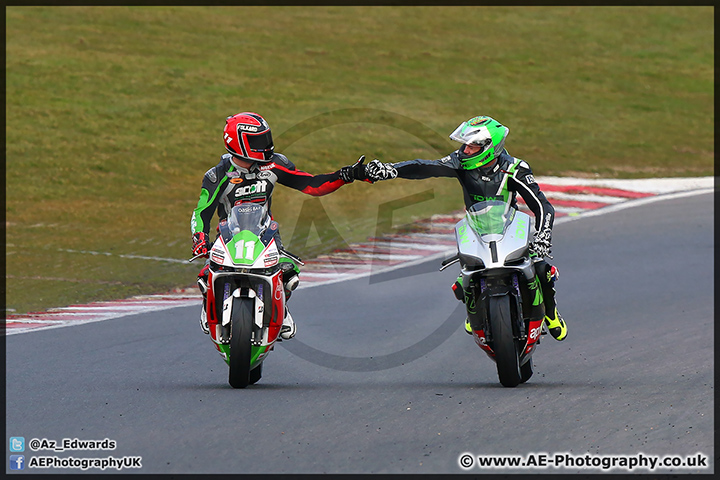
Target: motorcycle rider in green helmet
[487, 171]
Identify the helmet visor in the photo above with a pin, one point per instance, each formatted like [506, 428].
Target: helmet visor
[260, 143]
[473, 135]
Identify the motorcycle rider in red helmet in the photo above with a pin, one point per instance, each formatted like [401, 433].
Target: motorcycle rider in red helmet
[248, 173]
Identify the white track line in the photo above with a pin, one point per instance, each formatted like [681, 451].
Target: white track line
[633, 203]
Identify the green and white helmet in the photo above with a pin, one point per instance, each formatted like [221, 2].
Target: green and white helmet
[484, 131]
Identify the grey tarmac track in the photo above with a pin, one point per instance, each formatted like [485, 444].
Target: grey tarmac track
[634, 375]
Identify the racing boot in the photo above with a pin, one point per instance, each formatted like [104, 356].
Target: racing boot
[459, 292]
[202, 285]
[288, 329]
[203, 319]
[556, 326]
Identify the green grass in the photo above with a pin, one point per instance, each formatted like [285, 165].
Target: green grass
[113, 114]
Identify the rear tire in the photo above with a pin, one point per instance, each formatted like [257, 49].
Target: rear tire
[240, 346]
[503, 342]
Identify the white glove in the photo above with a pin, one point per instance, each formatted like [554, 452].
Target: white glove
[376, 170]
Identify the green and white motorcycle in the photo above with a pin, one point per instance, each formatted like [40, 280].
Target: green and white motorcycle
[246, 297]
[500, 288]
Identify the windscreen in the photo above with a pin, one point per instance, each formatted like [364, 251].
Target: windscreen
[247, 216]
[489, 218]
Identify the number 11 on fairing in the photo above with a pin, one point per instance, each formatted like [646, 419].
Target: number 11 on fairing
[249, 249]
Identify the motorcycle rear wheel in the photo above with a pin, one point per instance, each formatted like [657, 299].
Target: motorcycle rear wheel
[240, 346]
[503, 342]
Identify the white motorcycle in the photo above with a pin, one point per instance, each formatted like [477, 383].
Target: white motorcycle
[502, 293]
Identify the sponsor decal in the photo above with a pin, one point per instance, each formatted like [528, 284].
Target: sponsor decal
[462, 233]
[470, 303]
[477, 121]
[233, 174]
[481, 342]
[247, 209]
[535, 333]
[259, 187]
[236, 181]
[217, 254]
[268, 166]
[530, 179]
[247, 128]
[548, 217]
[480, 198]
[211, 175]
[520, 231]
[278, 291]
[445, 159]
[485, 179]
[264, 175]
[270, 261]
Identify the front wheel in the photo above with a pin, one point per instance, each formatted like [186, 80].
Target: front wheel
[503, 341]
[240, 342]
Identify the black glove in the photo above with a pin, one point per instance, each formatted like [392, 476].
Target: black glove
[376, 170]
[201, 245]
[353, 172]
[542, 244]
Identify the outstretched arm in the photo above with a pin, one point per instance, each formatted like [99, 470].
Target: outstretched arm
[417, 169]
[413, 169]
[318, 185]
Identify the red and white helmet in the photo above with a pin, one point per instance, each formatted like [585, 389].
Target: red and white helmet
[247, 136]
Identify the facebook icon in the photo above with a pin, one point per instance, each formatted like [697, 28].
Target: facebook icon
[17, 462]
